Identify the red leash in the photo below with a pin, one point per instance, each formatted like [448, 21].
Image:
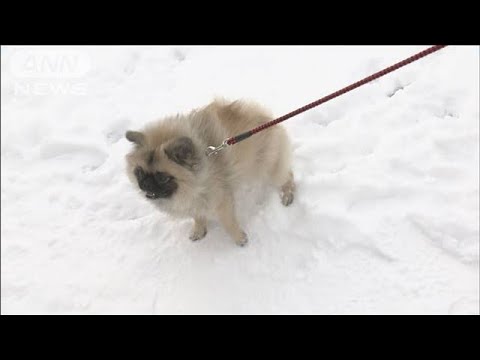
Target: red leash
[235, 139]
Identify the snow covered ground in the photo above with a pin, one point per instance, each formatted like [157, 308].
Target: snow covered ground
[386, 219]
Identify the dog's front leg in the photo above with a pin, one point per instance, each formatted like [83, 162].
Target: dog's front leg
[226, 215]
[199, 229]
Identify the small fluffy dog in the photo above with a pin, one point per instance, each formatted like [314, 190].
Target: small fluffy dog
[170, 167]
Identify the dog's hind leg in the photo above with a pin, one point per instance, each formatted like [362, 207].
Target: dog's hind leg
[287, 190]
[281, 177]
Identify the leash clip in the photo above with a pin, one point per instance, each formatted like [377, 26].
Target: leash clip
[212, 150]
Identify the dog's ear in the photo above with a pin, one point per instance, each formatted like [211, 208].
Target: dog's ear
[135, 137]
[183, 152]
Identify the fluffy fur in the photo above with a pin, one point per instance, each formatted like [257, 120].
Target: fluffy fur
[203, 187]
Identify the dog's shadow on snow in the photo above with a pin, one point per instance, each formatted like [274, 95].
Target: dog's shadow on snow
[275, 229]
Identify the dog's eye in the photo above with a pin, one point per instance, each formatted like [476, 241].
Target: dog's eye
[162, 178]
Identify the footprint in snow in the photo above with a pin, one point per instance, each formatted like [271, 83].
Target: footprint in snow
[82, 156]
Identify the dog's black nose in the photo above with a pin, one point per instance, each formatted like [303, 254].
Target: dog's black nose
[148, 184]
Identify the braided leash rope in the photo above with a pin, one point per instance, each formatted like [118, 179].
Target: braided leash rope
[236, 139]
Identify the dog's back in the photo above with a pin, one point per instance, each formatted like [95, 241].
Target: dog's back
[262, 156]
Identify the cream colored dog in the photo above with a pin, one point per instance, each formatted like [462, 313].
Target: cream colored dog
[169, 165]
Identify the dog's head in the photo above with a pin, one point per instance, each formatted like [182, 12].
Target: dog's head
[160, 165]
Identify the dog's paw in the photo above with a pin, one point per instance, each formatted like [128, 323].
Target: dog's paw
[197, 234]
[242, 240]
[287, 197]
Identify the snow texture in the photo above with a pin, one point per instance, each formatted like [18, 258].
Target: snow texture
[385, 221]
